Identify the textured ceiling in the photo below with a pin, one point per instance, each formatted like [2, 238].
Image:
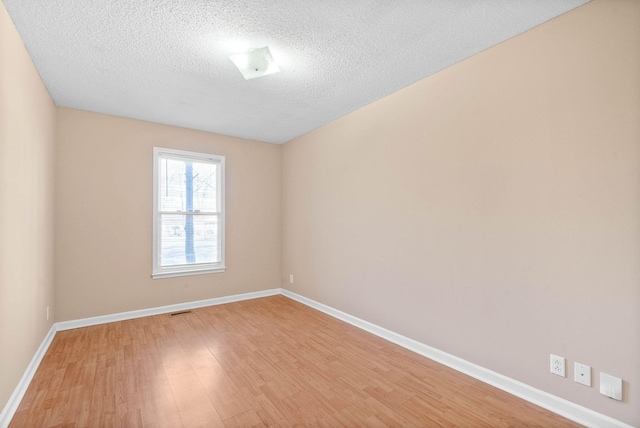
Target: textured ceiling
[167, 61]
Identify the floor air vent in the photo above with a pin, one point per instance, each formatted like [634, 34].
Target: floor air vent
[179, 313]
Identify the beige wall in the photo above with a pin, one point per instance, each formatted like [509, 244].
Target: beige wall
[104, 215]
[492, 210]
[27, 119]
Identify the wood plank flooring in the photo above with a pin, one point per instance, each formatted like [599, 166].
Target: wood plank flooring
[264, 362]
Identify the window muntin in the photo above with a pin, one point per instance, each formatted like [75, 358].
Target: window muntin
[188, 213]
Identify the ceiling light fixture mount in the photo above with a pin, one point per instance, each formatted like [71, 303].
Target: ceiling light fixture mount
[255, 63]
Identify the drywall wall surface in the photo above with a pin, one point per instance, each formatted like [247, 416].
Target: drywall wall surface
[492, 210]
[27, 120]
[104, 215]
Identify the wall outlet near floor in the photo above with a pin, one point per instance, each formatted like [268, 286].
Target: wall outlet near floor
[582, 374]
[291, 279]
[47, 313]
[557, 365]
[611, 386]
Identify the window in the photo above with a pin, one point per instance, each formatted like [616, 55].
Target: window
[188, 213]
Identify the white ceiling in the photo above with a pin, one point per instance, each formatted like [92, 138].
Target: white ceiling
[167, 61]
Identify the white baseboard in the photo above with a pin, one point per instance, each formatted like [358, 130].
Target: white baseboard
[121, 316]
[536, 396]
[560, 406]
[18, 393]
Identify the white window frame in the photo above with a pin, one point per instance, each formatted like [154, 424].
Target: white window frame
[188, 269]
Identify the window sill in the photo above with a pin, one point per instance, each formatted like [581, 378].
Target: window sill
[173, 273]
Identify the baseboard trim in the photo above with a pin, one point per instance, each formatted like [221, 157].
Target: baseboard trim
[18, 393]
[560, 406]
[122, 316]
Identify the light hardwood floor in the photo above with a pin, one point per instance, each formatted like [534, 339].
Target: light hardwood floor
[263, 362]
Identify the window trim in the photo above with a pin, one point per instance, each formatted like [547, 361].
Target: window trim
[195, 269]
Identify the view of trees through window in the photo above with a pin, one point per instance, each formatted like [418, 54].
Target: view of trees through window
[189, 212]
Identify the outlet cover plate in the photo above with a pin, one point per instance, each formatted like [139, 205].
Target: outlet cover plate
[582, 374]
[611, 386]
[557, 365]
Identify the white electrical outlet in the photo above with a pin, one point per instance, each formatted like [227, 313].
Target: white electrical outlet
[47, 313]
[611, 386]
[291, 279]
[582, 373]
[557, 365]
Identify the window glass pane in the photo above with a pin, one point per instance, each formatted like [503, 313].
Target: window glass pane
[205, 182]
[189, 239]
[188, 186]
[172, 185]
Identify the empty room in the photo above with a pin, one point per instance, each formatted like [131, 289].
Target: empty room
[376, 213]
